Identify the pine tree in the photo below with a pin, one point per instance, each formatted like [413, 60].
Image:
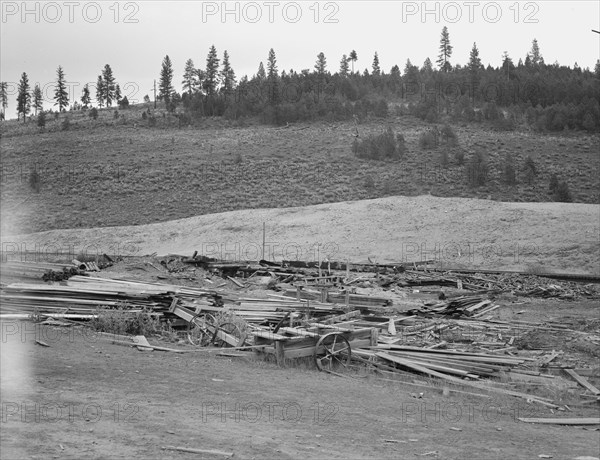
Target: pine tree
[272, 78]
[427, 66]
[227, 75]
[61, 96]
[375, 65]
[165, 84]
[536, 57]
[353, 58]
[596, 69]
[37, 99]
[211, 80]
[118, 94]
[3, 97]
[321, 64]
[261, 74]
[507, 65]
[272, 65]
[23, 97]
[445, 51]
[100, 91]
[474, 65]
[190, 77]
[109, 85]
[85, 96]
[344, 66]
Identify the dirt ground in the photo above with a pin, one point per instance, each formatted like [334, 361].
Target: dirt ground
[84, 397]
[456, 232]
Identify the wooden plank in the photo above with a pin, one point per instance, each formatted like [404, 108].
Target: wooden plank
[236, 282]
[199, 451]
[563, 421]
[479, 385]
[582, 381]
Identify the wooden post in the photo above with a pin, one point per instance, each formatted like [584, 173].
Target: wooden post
[319, 257]
[279, 353]
[347, 270]
[263, 247]
[374, 336]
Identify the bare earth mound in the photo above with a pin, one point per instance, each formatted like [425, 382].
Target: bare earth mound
[454, 231]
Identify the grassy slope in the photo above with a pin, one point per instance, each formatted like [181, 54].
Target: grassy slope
[457, 232]
[110, 173]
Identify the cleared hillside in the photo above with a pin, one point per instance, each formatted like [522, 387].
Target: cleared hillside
[454, 231]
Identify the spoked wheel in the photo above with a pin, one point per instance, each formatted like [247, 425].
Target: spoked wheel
[336, 352]
[230, 329]
[201, 329]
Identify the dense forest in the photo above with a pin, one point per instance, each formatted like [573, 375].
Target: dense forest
[529, 94]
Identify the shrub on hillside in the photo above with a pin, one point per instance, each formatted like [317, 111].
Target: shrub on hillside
[428, 139]
[378, 147]
[65, 124]
[93, 113]
[34, 180]
[529, 170]
[477, 170]
[41, 120]
[562, 192]
[448, 135]
[509, 170]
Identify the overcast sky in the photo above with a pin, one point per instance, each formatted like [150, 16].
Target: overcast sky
[133, 37]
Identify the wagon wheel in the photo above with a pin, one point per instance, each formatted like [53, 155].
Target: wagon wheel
[336, 352]
[200, 329]
[229, 328]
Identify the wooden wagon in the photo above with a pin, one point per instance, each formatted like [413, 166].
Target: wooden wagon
[330, 346]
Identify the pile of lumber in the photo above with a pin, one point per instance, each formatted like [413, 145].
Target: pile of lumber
[464, 306]
[81, 296]
[17, 271]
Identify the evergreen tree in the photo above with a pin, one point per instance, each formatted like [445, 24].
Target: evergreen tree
[321, 64]
[427, 66]
[211, 79]
[118, 94]
[353, 57]
[344, 66]
[37, 98]
[474, 65]
[272, 78]
[271, 65]
[261, 74]
[165, 83]
[507, 65]
[227, 75]
[536, 57]
[100, 91]
[190, 77]
[85, 96]
[445, 51]
[61, 96]
[23, 97]
[596, 69]
[108, 85]
[375, 65]
[3, 97]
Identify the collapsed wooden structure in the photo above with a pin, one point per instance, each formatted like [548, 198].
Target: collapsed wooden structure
[453, 337]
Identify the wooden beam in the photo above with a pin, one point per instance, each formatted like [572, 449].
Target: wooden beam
[563, 421]
[582, 381]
